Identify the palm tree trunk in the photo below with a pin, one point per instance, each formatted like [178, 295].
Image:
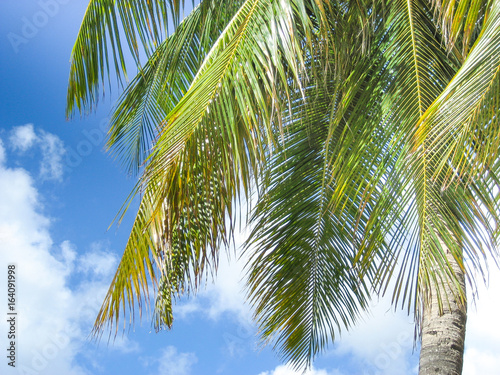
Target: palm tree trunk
[443, 335]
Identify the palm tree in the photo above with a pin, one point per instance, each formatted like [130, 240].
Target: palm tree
[369, 130]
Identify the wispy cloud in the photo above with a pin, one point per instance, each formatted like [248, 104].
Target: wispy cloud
[98, 261]
[171, 362]
[51, 166]
[25, 137]
[287, 370]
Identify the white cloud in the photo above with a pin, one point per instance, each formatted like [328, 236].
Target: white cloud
[23, 137]
[124, 345]
[187, 307]
[482, 340]
[51, 146]
[381, 342]
[97, 261]
[51, 167]
[287, 370]
[68, 254]
[53, 318]
[226, 293]
[2, 153]
[171, 362]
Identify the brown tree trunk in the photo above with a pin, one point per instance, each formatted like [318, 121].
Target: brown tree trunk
[443, 335]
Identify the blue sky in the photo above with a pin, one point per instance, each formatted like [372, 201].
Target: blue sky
[59, 192]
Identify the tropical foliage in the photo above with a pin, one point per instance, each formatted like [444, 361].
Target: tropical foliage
[368, 130]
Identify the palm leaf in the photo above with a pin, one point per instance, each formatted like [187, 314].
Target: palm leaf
[175, 239]
[413, 72]
[452, 134]
[313, 209]
[301, 278]
[463, 123]
[460, 21]
[163, 81]
[99, 43]
[171, 195]
[240, 60]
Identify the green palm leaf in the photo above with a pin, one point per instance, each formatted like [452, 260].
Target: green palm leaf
[467, 111]
[301, 277]
[319, 189]
[99, 43]
[171, 195]
[238, 60]
[175, 239]
[460, 21]
[162, 82]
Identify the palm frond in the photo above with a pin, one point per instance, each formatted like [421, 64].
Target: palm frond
[179, 229]
[99, 45]
[462, 127]
[451, 138]
[460, 21]
[317, 192]
[211, 136]
[301, 278]
[135, 269]
[163, 81]
[415, 69]
[244, 58]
